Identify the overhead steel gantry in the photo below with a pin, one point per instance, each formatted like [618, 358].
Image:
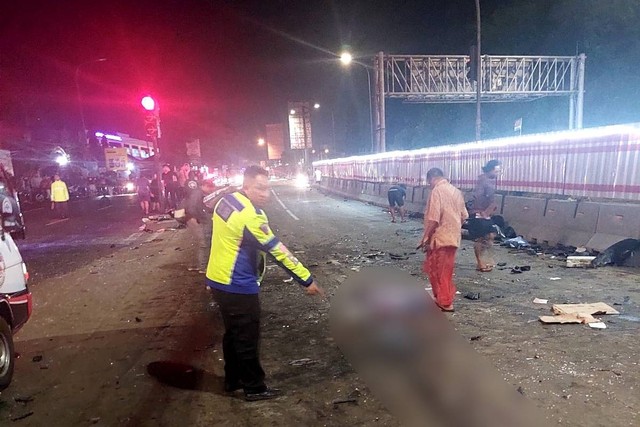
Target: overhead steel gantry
[433, 79]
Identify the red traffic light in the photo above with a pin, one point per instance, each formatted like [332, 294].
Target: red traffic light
[148, 103]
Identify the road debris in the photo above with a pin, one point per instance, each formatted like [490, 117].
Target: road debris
[340, 401]
[555, 278]
[598, 325]
[568, 318]
[540, 301]
[516, 243]
[579, 261]
[472, 296]
[577, 313]
[37, 358]
[593, 308]
[617, 253]
[303, 362]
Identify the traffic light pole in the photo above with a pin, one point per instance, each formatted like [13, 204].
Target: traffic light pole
[158, 166]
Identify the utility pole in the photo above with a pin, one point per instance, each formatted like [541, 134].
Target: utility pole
[304, 132]
[152, 126]
[479, 77]
[78, 94]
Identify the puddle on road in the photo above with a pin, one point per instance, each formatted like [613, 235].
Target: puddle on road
[185, 376]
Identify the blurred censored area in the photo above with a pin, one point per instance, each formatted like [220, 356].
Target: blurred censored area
[415, 362]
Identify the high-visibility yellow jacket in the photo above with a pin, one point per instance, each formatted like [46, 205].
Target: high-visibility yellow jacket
[241, 237]
[59, 192]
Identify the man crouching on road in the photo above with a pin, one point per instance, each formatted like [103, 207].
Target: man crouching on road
[443, 220]
[241, 237]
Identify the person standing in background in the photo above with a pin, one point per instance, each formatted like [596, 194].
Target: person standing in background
[200, 223]
[396, 197]
[144, 194]
[484, 205]
[443, 220]
[59, 197]
[170, 180]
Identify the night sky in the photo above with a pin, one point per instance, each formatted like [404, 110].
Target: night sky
[223, 69]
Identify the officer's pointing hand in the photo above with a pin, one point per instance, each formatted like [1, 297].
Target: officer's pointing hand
[314, 289]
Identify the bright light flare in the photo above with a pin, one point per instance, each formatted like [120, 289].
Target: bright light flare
[302, 181]
[148, 103]
[292, 112]
[62, 160]
[346, 58]
[237, 180]
[130, 186]
[130, 167]
[261, 142]
[316, 105]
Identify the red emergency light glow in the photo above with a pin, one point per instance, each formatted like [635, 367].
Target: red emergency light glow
[148, 103]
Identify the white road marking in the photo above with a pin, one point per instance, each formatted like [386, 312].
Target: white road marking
[106, 207]
[284, 207]
[56, 221]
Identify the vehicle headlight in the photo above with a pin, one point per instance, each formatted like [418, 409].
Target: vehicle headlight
[302, 181]
[237, 180]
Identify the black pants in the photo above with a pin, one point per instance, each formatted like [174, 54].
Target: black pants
[61, 209]
[240, 345]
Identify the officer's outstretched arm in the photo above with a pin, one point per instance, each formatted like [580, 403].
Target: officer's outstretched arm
[268, 241]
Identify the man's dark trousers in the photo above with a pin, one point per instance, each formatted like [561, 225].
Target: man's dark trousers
[240, 345]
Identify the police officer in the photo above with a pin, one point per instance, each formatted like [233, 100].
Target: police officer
[241, 237]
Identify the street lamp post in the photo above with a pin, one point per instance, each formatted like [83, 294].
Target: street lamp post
[77, 76]
[479, 78]
[346, 58]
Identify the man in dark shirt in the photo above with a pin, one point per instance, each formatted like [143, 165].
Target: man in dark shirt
[170, 180]
[396, 196]
[200, 224]
[480, 224]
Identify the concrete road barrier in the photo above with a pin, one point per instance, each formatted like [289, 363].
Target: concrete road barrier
[616, 221]
[590, 224]
[524, 213]
[556, 225]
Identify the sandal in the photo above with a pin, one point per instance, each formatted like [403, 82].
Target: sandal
[485, 269]
[447, 309]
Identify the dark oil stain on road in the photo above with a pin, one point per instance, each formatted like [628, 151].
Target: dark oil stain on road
[185, 376]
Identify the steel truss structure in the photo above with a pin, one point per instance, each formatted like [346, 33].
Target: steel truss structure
[445, 79]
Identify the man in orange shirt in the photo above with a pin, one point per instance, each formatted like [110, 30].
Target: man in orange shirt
[443, 220]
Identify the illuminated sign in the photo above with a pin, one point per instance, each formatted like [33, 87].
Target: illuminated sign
[299, 126]
[110, 137]
[116, 159]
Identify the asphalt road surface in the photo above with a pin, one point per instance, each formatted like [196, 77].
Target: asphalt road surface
[96, 227]
[122, 334]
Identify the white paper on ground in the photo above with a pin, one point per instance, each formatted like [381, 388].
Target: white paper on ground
[598, 325]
